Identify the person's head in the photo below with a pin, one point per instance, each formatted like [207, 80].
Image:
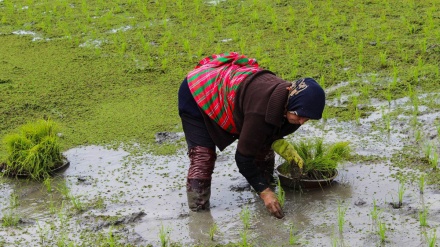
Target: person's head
[306, 101]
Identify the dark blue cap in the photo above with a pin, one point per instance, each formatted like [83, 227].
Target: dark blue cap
[307, 98]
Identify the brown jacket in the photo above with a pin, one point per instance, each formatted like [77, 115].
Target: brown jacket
[260, 106]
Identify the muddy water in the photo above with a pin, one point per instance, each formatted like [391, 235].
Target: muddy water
[141, 194]
[155, 186]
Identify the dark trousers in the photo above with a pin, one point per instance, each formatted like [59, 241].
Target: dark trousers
[196, 133]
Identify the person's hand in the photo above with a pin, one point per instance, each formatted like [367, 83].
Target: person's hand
[271, 203]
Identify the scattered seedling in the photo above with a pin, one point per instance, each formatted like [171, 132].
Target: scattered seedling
[48, 184]
[64, 190]
[293, 238]
[374, 212]
[434, 160]
[164, 236]
[245, 217]
[244, 240]
[400, 194]
[111, 239]
[77, 203]
[382, 231]
[432, 238]
[13, 200]
[428, 150]
[212, 230]
[10, 218]
[422, 184]
[423, 215]
[341, 217]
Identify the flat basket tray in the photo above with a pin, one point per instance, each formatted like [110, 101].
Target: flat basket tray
[304, 183]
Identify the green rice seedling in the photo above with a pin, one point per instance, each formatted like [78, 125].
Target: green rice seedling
[432, 238]
[10, 218]
[48, 184]
[13, 200]
[382, 231]
[417, 135]
[52, 208]
[111, 240]
[357, 115]
[383, 59]
[334, 241]
[164, 236]
[62, 239]
[34, 150]
[293, 238]
[212, 230]
[423, 215]
[434, 160]
[427, 150]
[400, 193]
[375, 212]
[244, 238]
[77, 203]
[281, 194]
[388, 95]
[422, 183]
[387, 120]
[319, 160]
[64, 190]
[341, 217]
[99, 203]
[438, 128]
[245, 216]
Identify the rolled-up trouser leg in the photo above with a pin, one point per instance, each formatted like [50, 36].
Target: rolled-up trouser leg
[265, 161]
[198, 185]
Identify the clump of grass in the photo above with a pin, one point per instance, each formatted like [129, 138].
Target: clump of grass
[34, 150]
[319, 159]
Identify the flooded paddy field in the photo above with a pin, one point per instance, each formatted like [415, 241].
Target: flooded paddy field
[108, 70]
[115, 196]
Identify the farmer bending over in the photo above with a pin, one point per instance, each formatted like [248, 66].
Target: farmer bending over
[228, 97]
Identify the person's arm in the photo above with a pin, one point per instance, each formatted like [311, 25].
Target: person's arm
[247, 168]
